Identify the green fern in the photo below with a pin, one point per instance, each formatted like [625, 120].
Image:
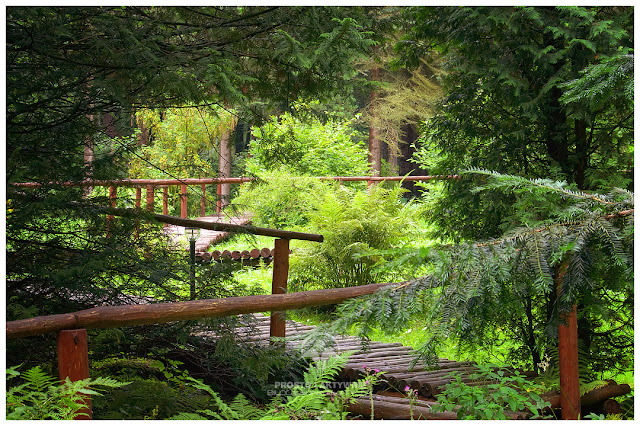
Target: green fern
[43, 397]
[313, 400]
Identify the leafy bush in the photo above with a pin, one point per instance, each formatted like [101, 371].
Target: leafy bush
[281, 200]
[354, 223]
[42, 397]
[490, 402]
[305, 145]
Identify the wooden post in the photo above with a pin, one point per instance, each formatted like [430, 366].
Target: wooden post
[113, 194]
[165, 202]
[279, 283]
[150, 197]
[138, 196]
[568, 357]
[183, 201]
[138, 203]
[202, 200]
[219, 199]
[73, 362]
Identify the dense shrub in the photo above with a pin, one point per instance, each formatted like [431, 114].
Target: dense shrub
[303, 144]
[353, 223]
[281, 200]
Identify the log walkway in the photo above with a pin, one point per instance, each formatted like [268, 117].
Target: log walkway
[394, 359]
[207, 237]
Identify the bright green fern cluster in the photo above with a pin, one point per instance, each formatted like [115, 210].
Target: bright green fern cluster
[42, 397]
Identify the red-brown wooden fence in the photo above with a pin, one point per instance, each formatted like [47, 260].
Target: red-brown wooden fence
[152, 185]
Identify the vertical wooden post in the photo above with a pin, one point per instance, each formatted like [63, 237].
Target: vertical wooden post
[73, 362]
[279, 283]
[150, 197]
[202, 200]
[568, 357]
[183, 201]
[165, 202]
[138, 203]
[219, 199]
[113, 194]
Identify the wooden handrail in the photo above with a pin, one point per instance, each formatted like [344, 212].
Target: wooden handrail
[151, 184]
[157, 313]
[209, 181]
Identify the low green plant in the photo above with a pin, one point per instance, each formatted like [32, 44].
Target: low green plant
[505, 392]
[42, 397]
[305, 144]
[281, 200]
[354, 223]
[311, 399]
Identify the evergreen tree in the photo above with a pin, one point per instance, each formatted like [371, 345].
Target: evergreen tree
[507, 69]
[508, 289]
[75, 77]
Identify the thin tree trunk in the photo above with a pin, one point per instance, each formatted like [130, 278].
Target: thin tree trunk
[375, 149]
[224, 167]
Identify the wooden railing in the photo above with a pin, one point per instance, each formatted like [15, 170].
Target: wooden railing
[151, 185]
[71, 328]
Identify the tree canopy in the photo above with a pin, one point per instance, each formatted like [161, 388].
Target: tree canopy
[507, 71]
[77, 75]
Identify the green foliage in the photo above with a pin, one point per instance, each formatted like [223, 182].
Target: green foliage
[41, 396]
[184, 142]
[479, 292]
[353, 223]
[506, 69]
[532, 91]
[506, 392]
[302, 144]
[150, 398]
[282, 201]
[75, 78]
[309, 400]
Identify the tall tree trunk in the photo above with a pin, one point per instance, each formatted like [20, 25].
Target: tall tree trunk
[582, 152]
[556, 133]
[224, 167]
[375, 148]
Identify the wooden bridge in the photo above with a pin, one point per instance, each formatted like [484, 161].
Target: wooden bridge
[71, 327]
[394, 360]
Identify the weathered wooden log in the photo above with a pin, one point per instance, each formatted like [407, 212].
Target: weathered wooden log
[434, 377]
[593, 397]
[235, 180]
[403, 399]
[599, 395]
[389, 410]
[608, 406]
[157, 313]
[418, 369]
[394, 408]
[392, 358]
[377, 354]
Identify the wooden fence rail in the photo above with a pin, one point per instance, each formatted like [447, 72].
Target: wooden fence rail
[150, 186]
[158, 313]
